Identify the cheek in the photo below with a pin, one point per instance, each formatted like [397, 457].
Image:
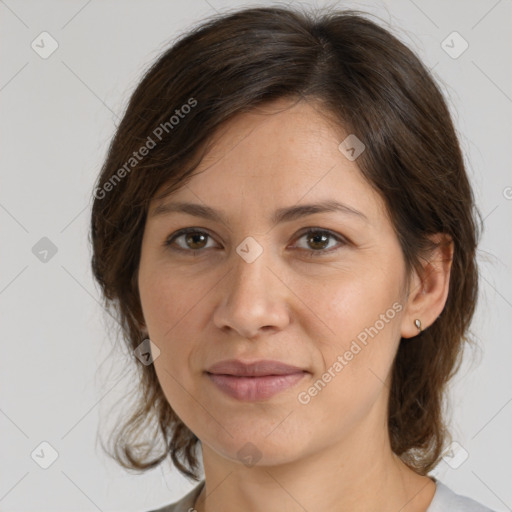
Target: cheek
[361, 330]
[171, 312]
[167, 302]
[356, 359]
[355, 303]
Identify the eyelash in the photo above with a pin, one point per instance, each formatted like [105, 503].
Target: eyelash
[312, 253]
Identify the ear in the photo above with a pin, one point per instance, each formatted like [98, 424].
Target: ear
[428, 287]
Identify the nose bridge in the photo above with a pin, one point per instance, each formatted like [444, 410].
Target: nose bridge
[251, 268]
[252, 297]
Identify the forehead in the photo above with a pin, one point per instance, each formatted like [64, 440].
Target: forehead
[279, 130]
[281, 153]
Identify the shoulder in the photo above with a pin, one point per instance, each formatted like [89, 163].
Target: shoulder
[186, 504]
[446, 500]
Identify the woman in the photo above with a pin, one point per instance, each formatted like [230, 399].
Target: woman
[287, 232]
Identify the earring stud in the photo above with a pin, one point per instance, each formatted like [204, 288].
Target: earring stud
[417, 323]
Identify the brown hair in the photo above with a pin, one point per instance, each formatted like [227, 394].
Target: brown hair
[375, 87]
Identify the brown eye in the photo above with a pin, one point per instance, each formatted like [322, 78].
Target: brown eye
[195, 240]
[318, 241]
[190, 240]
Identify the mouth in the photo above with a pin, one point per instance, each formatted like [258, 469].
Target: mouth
[254, 381]
[251, 389]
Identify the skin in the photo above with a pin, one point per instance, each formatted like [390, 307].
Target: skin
[292, 305]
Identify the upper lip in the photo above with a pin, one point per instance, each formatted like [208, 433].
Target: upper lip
[254, 369]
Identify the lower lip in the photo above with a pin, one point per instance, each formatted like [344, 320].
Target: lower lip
[251, 389]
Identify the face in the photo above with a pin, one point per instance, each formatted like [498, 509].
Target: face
[321, 290]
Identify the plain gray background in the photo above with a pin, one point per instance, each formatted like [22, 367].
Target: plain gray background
[57, 117]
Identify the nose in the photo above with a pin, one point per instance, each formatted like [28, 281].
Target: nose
[254, 299]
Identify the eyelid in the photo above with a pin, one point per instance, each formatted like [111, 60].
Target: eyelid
[185, 231]
[341, 239]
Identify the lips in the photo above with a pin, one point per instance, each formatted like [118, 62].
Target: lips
[255, 369]
[255, 381]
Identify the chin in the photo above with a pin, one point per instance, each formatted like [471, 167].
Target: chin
[256, 447]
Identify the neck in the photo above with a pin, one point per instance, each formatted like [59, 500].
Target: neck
[352, 475]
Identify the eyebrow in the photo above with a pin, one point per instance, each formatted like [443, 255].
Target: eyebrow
[281, 215]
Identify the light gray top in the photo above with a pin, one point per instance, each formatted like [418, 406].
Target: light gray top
[445, 500]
